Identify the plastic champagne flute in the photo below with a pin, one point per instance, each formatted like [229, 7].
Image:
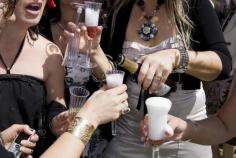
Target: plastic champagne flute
[78, 96]
[92, 12]
[114, 78]
[158, 108]
[71, 53]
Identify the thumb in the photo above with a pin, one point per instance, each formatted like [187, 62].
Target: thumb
[169, 132]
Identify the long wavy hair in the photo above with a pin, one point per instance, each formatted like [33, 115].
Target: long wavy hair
[177, 10]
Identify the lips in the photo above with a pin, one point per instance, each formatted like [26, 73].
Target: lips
[33, 8]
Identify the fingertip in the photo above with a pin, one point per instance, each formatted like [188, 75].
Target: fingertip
[167, 134]
[29, 156]
[125, 86]
[83, 28]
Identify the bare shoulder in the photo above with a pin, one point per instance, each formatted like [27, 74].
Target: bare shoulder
[49, 47]
[51, 53]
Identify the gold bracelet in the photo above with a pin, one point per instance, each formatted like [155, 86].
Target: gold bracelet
[82, 129]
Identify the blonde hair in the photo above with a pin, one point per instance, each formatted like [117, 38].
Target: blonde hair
[177, 10]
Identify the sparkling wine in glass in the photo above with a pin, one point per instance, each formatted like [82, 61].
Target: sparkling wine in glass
[78, 96]
[92, 12]
[158, 108]
[114, 78]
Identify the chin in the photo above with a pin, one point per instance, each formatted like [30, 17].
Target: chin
[29, 20]
[32, 23]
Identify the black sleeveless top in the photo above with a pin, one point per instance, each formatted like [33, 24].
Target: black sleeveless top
[22, 99]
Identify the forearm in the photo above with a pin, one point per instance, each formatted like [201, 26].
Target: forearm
[204, 65]
[103, 63]
[208, 131]
[66, 146]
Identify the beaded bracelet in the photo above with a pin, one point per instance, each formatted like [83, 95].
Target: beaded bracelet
[82, 129]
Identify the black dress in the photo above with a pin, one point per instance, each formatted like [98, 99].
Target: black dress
[4, 153]
[23, 101]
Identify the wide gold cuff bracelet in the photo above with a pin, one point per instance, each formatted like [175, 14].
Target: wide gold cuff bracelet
[82, 129]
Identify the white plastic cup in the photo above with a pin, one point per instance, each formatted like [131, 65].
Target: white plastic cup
[158, 108]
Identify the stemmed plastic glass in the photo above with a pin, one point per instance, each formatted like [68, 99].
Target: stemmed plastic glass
[71, 54]
[78, 96]
[92, 12]
[114, 78]
[158, 108]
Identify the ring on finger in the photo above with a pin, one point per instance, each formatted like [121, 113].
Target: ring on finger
[125, 109]
[161, 78]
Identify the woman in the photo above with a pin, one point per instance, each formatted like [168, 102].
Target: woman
[34, 87]
[6, 136]
[31, 73]
[185, 43]
[56, 25]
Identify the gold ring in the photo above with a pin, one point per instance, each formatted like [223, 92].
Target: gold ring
[159, 78]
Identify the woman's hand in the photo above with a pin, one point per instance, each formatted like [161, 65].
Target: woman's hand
[82, 37]
[60, 123]
[27, 146]
[156, 68]
[105, 105]
[178, 125]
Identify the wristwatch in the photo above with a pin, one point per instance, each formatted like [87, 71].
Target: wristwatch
[184, 59]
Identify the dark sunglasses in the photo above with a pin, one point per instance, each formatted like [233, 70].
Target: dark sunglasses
[10, 8]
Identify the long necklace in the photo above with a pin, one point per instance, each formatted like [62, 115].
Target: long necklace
[148, 30]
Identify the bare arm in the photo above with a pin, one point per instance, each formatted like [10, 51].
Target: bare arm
[67, 146]
[97, 110]
[204, 65]
[55, 75]
[213, 130]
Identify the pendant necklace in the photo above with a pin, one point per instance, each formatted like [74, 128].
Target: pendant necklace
[148, 30]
